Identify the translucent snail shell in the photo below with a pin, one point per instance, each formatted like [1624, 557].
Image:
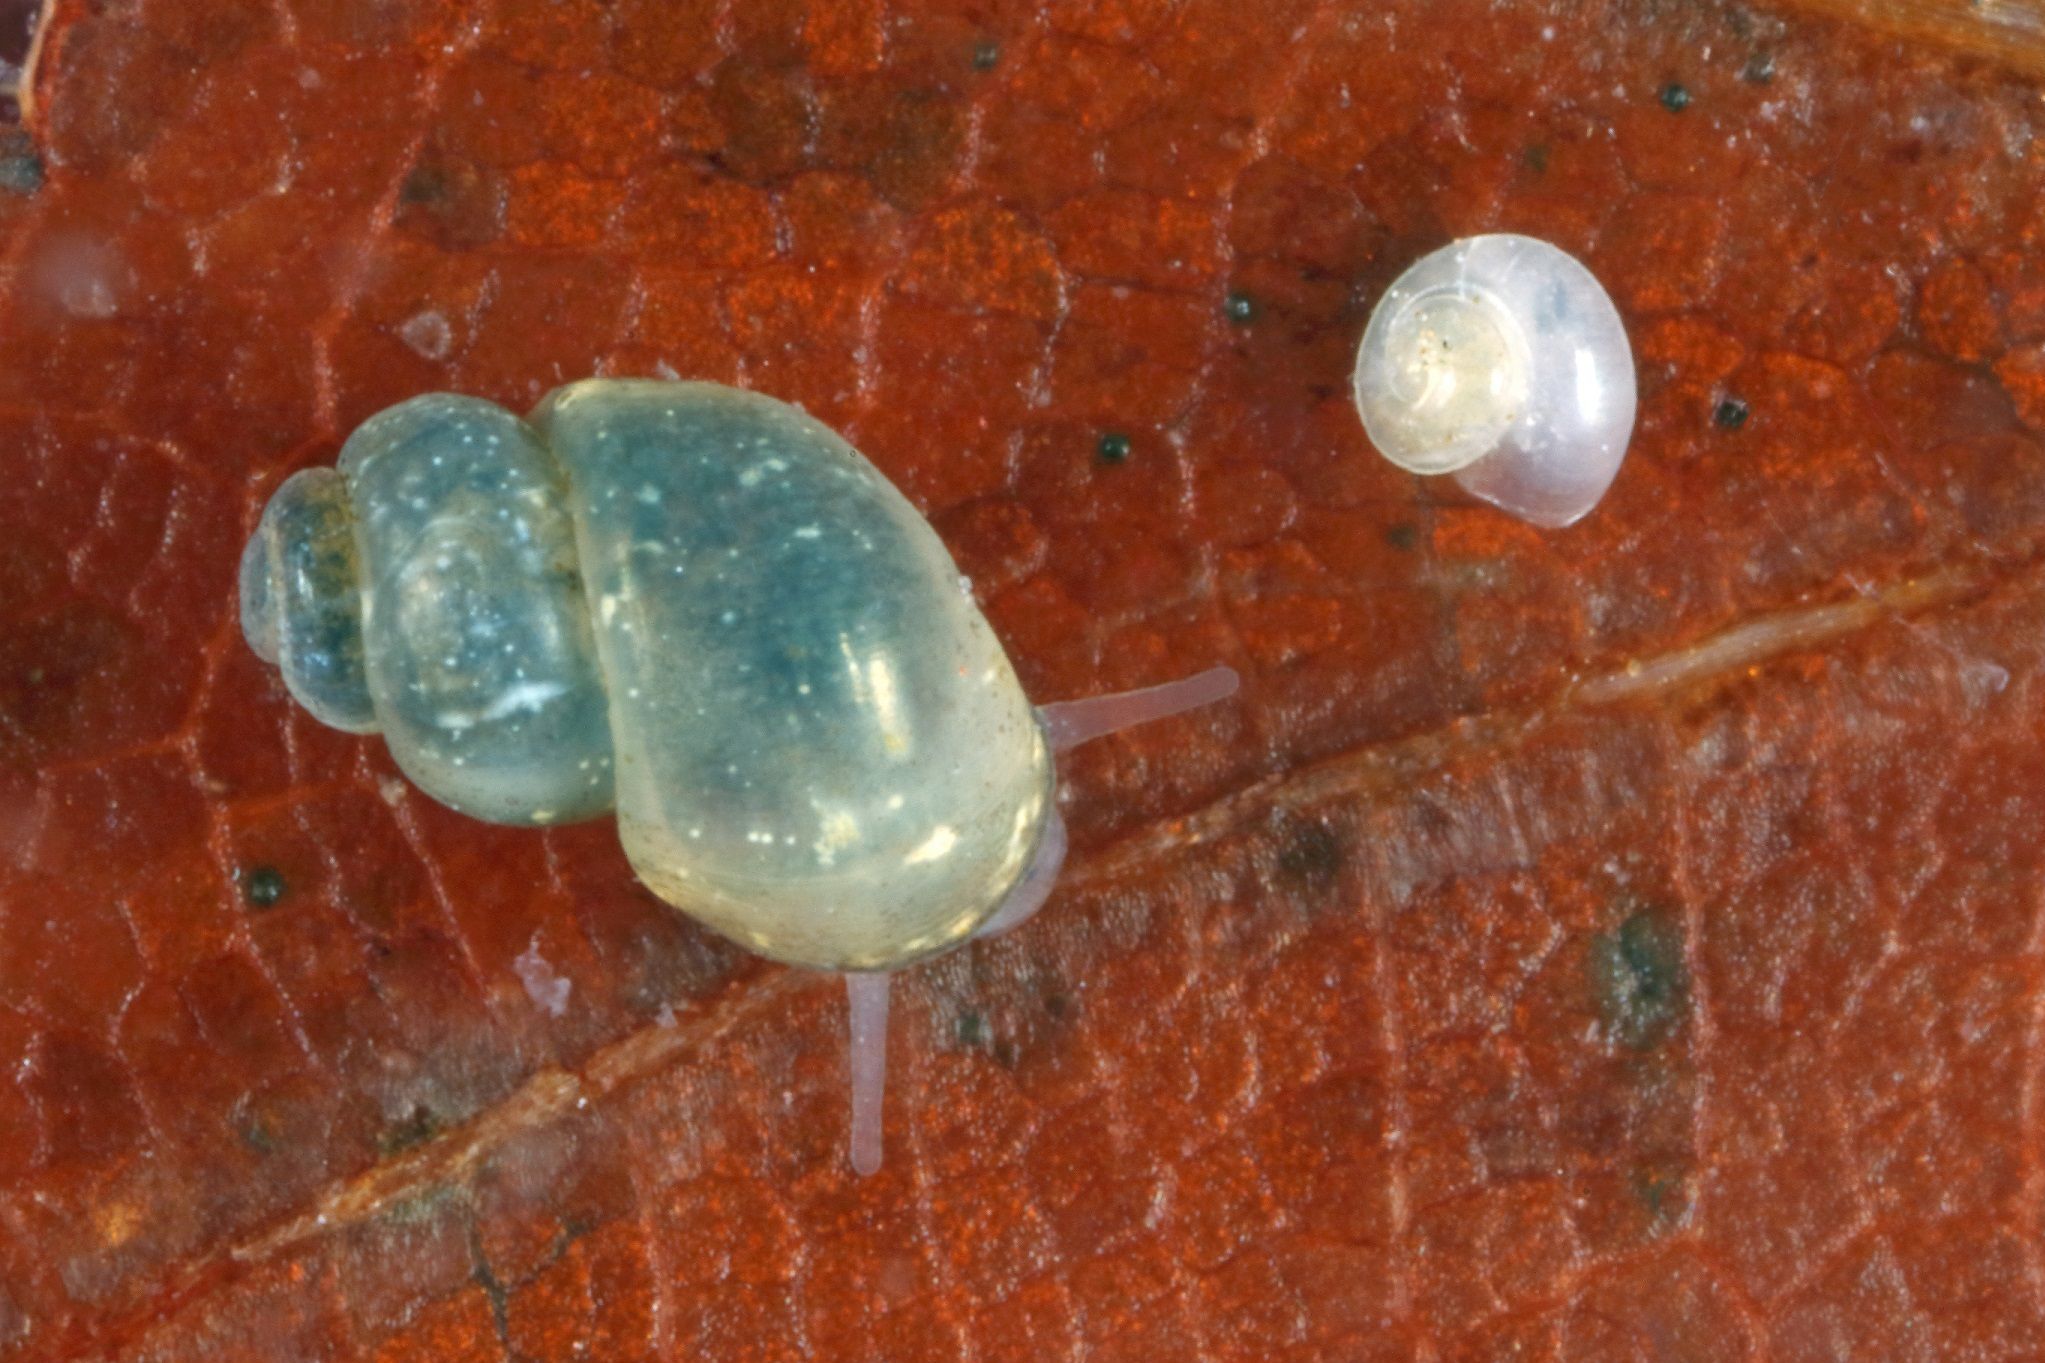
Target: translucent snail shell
[1501, 360]
[706, 609]
[665, 595]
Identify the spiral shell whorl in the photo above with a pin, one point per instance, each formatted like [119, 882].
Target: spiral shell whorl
[1501, 360]
[820, 748]
[427, 590]
[301, 599]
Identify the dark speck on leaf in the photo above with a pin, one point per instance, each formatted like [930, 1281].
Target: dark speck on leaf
[1664, 1193]
[21, 170]
[1404, 535]
[1310, 857]
[1675, 98]
[1240, 308]
[255, 1131]
[1760, 68]
[417, 1129]
[21, 173]
[425, 185]
[1730, 414]
[986, 55]
[1112, 448]
[1638, 974]
[1537, 158]
[971, 1030]
[262, 887]
[1059, 1006]
[451, 203]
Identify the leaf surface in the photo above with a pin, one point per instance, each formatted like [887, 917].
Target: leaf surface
[1624, 942]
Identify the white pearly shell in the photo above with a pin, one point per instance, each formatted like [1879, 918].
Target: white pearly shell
[1501, 360]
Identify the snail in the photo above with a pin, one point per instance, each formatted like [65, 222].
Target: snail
[1500, 359]
[702, 608]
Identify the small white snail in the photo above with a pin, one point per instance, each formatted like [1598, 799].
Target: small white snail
[706, 608]
[1500, 359]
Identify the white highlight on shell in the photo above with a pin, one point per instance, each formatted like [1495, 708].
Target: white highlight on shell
[1501, 360]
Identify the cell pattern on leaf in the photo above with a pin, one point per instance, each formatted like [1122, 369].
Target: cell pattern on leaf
[1335, 1047]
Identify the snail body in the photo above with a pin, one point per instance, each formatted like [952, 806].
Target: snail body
[1501, 360]
[700, 607]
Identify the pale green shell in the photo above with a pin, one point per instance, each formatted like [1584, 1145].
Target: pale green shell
[696, 602]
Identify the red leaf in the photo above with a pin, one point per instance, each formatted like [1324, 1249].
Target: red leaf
[1619, 942]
